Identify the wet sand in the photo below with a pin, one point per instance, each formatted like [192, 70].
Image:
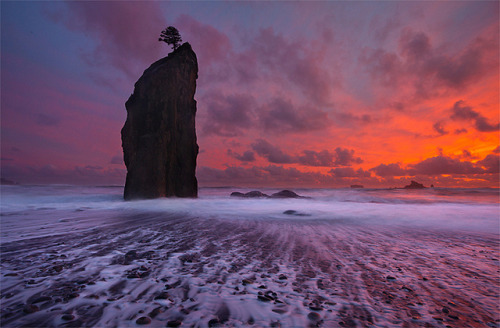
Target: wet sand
[160, 270]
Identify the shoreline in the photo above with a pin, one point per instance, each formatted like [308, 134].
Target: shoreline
[289, 273]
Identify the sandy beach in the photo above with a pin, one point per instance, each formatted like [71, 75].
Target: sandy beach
[167, 270]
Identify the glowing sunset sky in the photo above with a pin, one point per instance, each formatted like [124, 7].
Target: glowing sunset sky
[321, 94]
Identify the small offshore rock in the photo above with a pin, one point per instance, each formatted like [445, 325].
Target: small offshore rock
[285, 194]
[414, 185]
[255, 194]
[143, 321]
[237, 194]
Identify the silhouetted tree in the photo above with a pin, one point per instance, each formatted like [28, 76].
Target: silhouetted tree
[171, 35]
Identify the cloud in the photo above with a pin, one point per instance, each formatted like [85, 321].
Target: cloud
[430, 69]
[271, 153]
[491, 163]
[323, 158]
[385, 170]
[293, 59]
[281, 116]
[443, 165]
[439, 128]
[462, 112]
[43, 119]
[345, 157]
[118, 159]
[247, 156]
[80, 174]
[314, 158]
[126, 32]
[349, 172]
[228, 115]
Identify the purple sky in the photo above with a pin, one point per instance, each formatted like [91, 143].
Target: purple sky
[323, 94]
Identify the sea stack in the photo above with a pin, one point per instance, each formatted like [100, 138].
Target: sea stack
[159, 136]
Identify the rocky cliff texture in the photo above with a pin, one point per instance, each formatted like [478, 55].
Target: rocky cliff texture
[159, 136]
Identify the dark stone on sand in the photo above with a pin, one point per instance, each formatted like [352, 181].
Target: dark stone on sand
[159, 136]
[223, 313]
[285, 194]
[130, 256]
[264, 298]
[214, 323]
[445, 310]
[282, 277]
[290, 212]
[279, 310]
[174, 323]
[41, 299]
[390, 278]
[316, 308]
[30, 308]
[143, 321]
[313, 316]
[67, 317]
[246, 281]
[415, 185]
[162, 296]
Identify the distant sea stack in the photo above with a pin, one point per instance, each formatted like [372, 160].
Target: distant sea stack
[159, 136]
[415, 185]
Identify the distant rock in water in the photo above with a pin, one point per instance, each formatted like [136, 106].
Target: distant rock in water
[250, 194]
[415, 185]
[357, 186]
[258, 194]
[159, 136]
[285, 194]
[4, 181]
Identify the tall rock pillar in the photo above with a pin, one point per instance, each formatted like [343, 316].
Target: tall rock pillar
[159, 136]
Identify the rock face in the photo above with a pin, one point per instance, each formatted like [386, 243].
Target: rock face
[414, 185]
[159, 136]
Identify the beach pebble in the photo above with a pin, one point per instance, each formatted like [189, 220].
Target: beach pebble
[390, 278]
[313, 316]
[315, 308]
[143, 321]
[67, 317]
[264, 298]
[162, 296]
[282, 277]
[246, 281]
[41, 299]
[279, 310]
[214, 323]
[174, 323]
[30, 308]
[13, 274]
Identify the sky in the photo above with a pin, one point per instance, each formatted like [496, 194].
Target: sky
[289, 94]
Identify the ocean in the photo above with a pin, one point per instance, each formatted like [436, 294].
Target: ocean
[81, 256]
